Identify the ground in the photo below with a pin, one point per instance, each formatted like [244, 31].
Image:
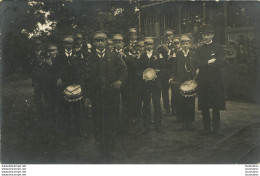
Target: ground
[26, 139]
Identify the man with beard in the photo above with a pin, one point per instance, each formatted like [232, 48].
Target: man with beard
[101, 79]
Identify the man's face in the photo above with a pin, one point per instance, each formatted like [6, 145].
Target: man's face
[52, 51]
[140, 48]
[148, 46]
[38, 45]
[176, 44]
[79, 39]
[169, 38]
[185, 45]
[68, 43]
[133, 36]
[118, 44]
[100, 43]
[207, 37]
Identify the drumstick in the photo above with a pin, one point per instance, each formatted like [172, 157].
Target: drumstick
[192, 80]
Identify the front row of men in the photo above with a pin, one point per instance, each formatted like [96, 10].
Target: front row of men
[108, 72]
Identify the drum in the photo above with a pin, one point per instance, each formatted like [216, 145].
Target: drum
[188, 88]
[149, 74]
[73, 93]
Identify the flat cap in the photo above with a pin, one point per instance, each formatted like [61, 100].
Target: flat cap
[118, 37]
[149, 40]
[140, 43]
[168, 32]
[100, 35]
[68, 38]
[132, 30]
[185, 38]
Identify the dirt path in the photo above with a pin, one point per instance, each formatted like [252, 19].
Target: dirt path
[24, 138]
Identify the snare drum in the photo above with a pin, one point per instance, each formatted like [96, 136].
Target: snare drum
[73, 93]
[189, 88]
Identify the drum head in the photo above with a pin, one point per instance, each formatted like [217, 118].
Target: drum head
[73, 90]
[73, 93]
[149, 74]
[189, 85]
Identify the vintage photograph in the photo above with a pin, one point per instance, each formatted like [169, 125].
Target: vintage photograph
[129, 82]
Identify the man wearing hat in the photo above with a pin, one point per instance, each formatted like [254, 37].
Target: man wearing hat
[127, 88]
[132, 41]
[181, 71]
[69, 74]
[79, 48]
[176, 48]
[151, 88]
[210, 58]
[101, 80]
[167, 50]
[110, 44]
[37, 61]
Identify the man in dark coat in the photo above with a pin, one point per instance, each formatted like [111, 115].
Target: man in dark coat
[151, 88]
[166, 49]
[183, 70]
[132, 41]
[127, 88]
[176, 48]
[101, 79]
[210, 84]
[37, 61]
[69, 65]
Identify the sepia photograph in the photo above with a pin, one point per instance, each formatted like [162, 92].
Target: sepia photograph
[129, 82]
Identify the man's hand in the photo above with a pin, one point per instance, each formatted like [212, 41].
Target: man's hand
[211, 61]
[117, 84]
[59, 82]
[87, 103]
[170, 80]
[197, 71]
[49, 62]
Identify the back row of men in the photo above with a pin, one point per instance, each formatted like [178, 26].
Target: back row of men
[109, 69]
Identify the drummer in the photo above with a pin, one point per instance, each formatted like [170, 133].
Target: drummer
[151, 88]
[182, 71]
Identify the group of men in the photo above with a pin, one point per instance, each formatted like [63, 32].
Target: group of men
[111, 74]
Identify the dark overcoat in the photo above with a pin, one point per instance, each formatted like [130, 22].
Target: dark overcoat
[210, 82]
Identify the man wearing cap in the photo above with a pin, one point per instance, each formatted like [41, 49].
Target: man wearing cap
[37, 61]
[101, 80]
[132, 41]
[210, 58]
[79, 48]
[69, 74]
[151, 88]
[110, 44]
[183, 70]
[127, 88]
[176, 48]
[167, 50]
[139, 48]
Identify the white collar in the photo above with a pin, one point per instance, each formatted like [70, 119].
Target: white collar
[208, 42]
[149, 52]
[119, 50]
[98, 51]
[66, 51]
